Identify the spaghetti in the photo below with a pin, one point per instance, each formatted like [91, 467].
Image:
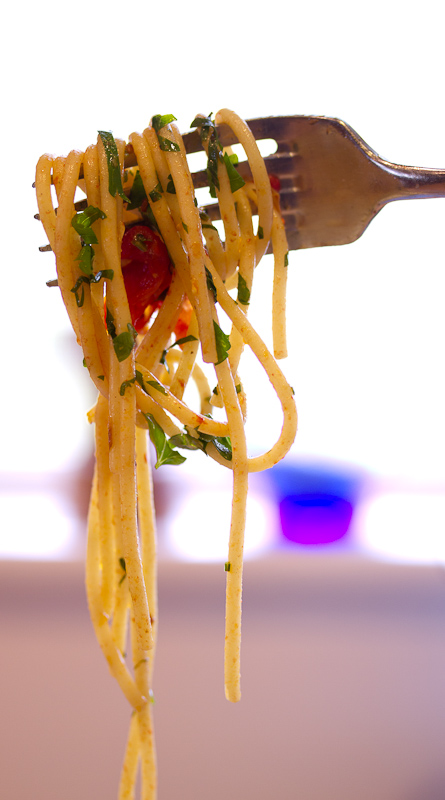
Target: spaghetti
[142, 273]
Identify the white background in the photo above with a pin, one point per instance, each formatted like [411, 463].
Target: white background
[366, 320]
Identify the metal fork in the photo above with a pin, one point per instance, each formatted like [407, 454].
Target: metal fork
[332, 183]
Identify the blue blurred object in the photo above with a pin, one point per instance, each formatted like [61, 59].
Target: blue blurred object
[316, 503]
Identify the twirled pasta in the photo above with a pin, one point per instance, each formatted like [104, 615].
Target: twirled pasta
[141, 381]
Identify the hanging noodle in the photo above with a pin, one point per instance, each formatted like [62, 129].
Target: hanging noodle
[141, 380]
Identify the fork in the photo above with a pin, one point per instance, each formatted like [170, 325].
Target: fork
[332, 183]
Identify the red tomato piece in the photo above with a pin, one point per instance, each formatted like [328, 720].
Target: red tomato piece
[145, 268]
[275, 182]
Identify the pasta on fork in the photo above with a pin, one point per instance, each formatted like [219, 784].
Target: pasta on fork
[144, 275]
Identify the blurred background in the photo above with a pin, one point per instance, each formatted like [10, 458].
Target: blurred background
[358, 507]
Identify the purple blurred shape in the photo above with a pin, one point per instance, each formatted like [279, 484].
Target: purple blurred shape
[315, 517]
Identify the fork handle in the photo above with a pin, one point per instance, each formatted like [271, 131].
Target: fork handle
[398, 182]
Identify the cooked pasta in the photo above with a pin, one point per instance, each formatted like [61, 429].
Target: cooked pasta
[144, 274]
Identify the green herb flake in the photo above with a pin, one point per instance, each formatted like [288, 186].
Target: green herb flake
[123, 568]
[165, 453]
[107, 274]
[85, 259]
[123, 343]
[137, 193]
[260, 232]
[214, 155]
[114, 171]
[171, 186]
[159, 121]
[222, 343]
[286, 259]
[186, 228]
[101, 377]
[186, 441]
[124, 386]
[184, 340]
[243, 291]
[167, 145]
[205, 125]
[109, 321]
[227, 566]
[83, 220]
[224, 446]
[158, 386]
[210, 285]
[238, 388]
[156, 193]
[79, 287]
[140, 242]
[236, 181]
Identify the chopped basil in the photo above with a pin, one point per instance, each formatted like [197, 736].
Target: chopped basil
[150, 219]
[80, 298]
[114, 171]
[184, 340]
[158, 386]
[286, 259]
[107, 274]
[260, 232]
[155, 194]
[124, 386]
[205, 221]
[171, 186]
[167, 145]
[205, 125]
[213, 157]
[137, 193]
[243, 291]
[123, 343]
[109, 321]
[236, 181]
[85, 259]
[138, 378]
[223, 446]
[101, 377]
[159, 121]
[83, 220]
[210, 285]
[140, 242]
[238, 388]
[222, 343]
[186, 441]
[227, 566]
[165, 453]
[93, 278]
[123, 568]
[186, 228]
